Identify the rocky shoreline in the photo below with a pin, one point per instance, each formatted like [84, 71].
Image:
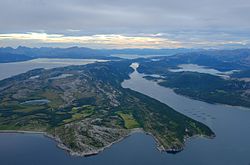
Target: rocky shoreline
[73, 153]
[131, 132]
[70, 151]
[161, 148]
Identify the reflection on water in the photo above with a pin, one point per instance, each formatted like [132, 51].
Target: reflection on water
[11, 69]
[135, 56]
[202, 69]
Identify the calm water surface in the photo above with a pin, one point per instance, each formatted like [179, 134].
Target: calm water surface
[14, 68]
[231, 125]
[202, 69]
[230, 147]
[135, 56]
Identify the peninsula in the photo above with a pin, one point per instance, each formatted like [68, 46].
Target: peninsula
[85, 109]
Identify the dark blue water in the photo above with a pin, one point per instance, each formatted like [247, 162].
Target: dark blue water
[230, 147]
[35, 149]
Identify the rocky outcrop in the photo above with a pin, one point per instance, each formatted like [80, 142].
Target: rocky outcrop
[84, 138]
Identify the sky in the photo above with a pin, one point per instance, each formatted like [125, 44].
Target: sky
[125, 23]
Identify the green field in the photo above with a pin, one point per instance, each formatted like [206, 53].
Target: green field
[129, 120]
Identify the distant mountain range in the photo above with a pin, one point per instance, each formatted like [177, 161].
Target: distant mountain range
[21, 53]
[223, 60]
[31, 53]
[201, 56]
[10, 57]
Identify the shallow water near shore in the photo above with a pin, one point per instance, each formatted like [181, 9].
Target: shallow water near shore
[230, 147]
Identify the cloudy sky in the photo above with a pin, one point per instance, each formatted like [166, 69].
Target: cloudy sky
[125, 23]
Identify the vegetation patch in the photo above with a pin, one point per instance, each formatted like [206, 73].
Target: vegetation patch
[79, 113]
[129, 120]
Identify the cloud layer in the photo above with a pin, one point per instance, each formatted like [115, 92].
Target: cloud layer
[96, 41]
[140, 23]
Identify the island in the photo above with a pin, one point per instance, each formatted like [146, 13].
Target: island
[230, 87]
[85, 109]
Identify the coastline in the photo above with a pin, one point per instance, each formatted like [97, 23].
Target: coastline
[22, 132]
[161, 148]
[64, 147]
[85, 154]
[60, 145]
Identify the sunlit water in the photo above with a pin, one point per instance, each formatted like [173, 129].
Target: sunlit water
[202, 69]
[14, 68]
[135, 56]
